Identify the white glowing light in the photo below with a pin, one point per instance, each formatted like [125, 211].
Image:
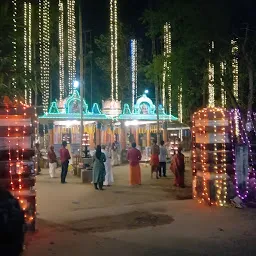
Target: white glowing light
[114, 49]
[235, 69]
[211, 90]
[167, 67]
[76, 84]
[134, 69]
[25, 51]
[61, 49]
[223, 92]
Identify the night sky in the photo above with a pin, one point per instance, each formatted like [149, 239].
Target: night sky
[96, 15]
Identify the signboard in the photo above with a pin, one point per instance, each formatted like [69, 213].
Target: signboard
[242, 165]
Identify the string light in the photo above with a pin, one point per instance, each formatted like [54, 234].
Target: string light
[61, 49]
[180, 105]
[211, 100]
[71, 44]
[202, 129]
[14, 42]
[134, 57]
[25, 50]
[44, 48]
[223, 92]
[235, 68]
[30, 48]
[114, 49]
[167, 66]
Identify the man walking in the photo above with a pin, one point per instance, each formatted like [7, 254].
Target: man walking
[109, 179]
[162, 159]
[64, 158]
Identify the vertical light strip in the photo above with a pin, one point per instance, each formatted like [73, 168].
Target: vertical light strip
[14, 42]
[211, 100]
[134, 71]
[30, 50]
[116, 47]
[25, 51]
[167, 66]
[44, 47]
[61, 49]
[71, 44]
[223, 92]
[180, 105]
[235, 68]
[112, 49]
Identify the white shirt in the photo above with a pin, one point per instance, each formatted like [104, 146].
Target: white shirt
[163, 154]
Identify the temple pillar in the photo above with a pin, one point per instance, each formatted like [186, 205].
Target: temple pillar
[137, 136]
[165, 132]
[98, 134]
[51, 134]
[148, 136]
[123, 136]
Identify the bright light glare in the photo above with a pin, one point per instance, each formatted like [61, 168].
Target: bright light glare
[76, 84]
[146, 91]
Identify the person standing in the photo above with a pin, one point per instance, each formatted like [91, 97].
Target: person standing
[64, 158]
[52, 162]
[178, 168]
[114, 154]
[109, 179]
[162, 159]
[99, 171]
[134, 157]
[155, 151]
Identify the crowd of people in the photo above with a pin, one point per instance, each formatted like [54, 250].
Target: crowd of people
[106, 156]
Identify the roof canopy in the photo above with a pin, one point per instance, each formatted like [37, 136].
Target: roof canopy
[144, 110]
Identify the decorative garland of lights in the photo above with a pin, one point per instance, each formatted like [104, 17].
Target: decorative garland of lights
[14, 42]
[180, 105]
[223, 92]
[233, 115]
[114, 49]
[235, 68]
[211, 100]
[71, 44]
[167, 68]
[30, 48]
[134, 69]
[44, 48]
[61, 49]
[25, 50]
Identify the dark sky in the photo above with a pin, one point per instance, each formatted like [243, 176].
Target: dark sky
[96, 15]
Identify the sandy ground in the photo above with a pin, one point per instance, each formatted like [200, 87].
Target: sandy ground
[74, 219]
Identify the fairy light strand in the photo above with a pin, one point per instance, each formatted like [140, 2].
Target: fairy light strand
[235, 68]
[30, 50]
[211, 90]
[14, 42]
[61, 49]
[223, 92]
[180, 104]
[167, 67]
[114, 49]
[25, 50]
[44, 48]
[134, 71]
[71, 44]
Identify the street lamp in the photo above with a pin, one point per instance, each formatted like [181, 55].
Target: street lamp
[146, 91]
